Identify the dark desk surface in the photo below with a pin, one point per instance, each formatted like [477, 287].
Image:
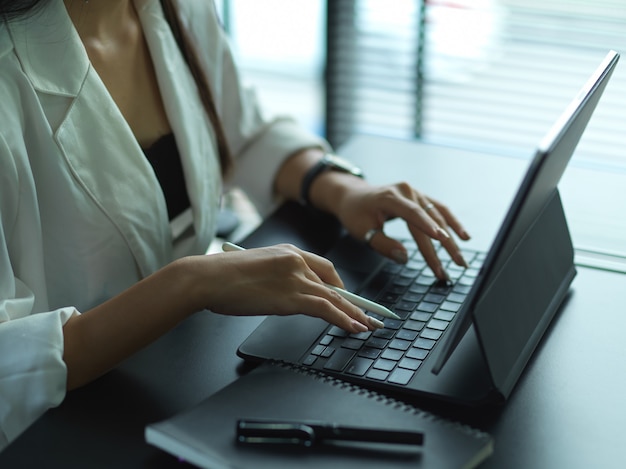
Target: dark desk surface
[568, 409]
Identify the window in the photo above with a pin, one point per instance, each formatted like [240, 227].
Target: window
[481, 74]
[280, 49]
[477, 73]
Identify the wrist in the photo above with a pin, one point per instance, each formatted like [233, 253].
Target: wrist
[330, 164]
[330, 189]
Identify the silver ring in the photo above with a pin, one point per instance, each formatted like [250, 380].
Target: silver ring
[370, 234]
[429, 206]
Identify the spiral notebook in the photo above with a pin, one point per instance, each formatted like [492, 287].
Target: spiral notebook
[205, 435]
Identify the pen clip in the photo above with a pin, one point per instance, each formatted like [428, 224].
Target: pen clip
[265, 432]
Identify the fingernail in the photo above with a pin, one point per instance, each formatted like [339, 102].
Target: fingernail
[376, 323]
[461, 261]
[465, 234]
[443, 232]
[400, 256]
[358, 326]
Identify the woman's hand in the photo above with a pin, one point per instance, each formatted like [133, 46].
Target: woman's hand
[363, 210]
[280, 280]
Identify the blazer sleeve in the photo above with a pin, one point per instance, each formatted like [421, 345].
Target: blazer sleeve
[32, 370]
[258, 142]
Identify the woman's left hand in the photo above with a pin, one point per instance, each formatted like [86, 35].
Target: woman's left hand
[364, 209]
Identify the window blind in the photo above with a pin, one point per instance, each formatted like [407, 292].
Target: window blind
[477, 73]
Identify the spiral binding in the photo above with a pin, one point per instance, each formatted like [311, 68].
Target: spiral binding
[371, 394]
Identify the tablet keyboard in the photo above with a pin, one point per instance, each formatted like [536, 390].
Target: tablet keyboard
[426, 307]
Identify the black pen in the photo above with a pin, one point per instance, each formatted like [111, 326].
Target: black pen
[309, 433]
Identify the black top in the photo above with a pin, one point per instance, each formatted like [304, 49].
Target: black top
[165, 160]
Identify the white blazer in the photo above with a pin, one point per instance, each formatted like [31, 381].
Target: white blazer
[82, 213]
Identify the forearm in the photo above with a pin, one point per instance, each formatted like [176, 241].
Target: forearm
[102, 337]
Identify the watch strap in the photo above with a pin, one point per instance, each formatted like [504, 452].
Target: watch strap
[310, 176]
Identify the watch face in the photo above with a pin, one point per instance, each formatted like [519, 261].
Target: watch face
[343, 165]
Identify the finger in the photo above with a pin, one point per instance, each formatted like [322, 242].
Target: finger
[342, 312]
[402, 201]
[426, 247]
[321, 269]
[442, 215]
[329, 305]
[451, 220]
[389, 247]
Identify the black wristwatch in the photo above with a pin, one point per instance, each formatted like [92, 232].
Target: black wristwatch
[329, 162]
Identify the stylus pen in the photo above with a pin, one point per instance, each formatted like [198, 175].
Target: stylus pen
[309, 433]
[351, 297]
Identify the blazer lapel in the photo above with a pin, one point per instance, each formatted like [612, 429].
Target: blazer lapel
[194, 136]
[98, 146]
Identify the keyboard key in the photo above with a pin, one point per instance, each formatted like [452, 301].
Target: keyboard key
[353, 344]
[421, 316]
[402, 282]
[472, 273]
[465, 281]
[337, 332]
[424, 280]
[308, 361]
[340, 359]
[392, 324]
[410, 363]
[361, 335]
[432, 334]
[463, 289]
[377, 342]
[434, 298]
[326, 340]
[402, 313]
[401, 376]
[438, 324]
[418, 289]
[413, 297]
[417, 353]
[387, 297]
[450, 306]
[408, 272]
[383, 364]
[391, 354]
[396, 289]
[384, 333]
[424, 343]
[399, 344]
[414, 325]
[379, 375]
[444, 315]
[359, 366]
[441, 288]
[456, 297]
[406, 334]
[392, 268]
[406, 305]
[328, 351]
[318, 349]
[428, 307]
[369, 352]
[454, 274]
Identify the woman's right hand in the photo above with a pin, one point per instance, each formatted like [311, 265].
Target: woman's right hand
[275, 280]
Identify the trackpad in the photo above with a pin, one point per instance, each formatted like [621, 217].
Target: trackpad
[282, 338]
